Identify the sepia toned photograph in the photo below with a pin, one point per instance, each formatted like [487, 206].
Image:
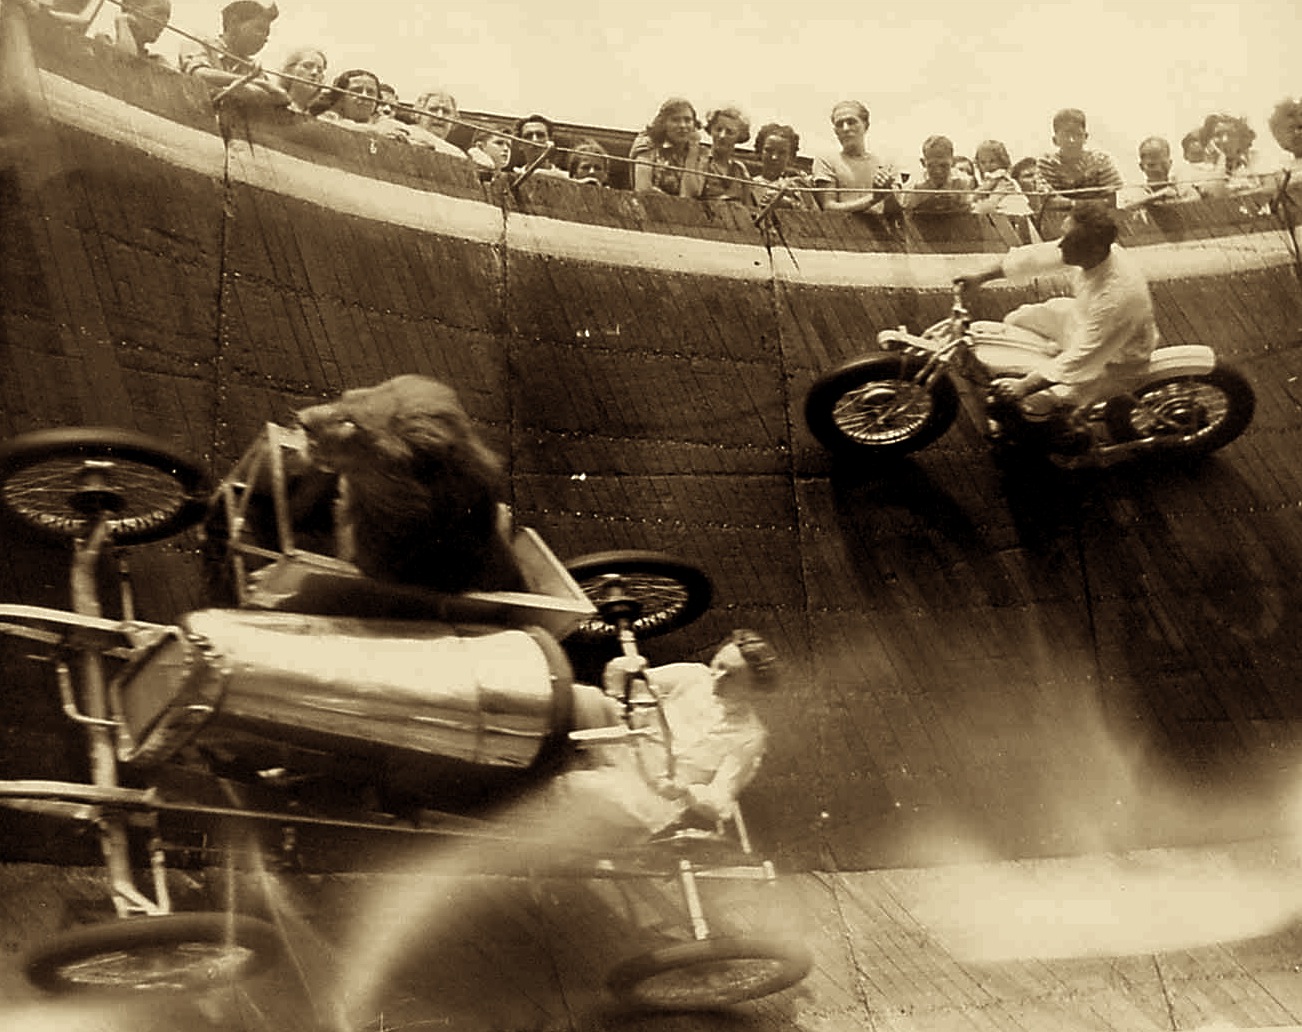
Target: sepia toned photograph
[708, 518]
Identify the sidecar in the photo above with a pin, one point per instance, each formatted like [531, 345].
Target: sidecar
[320, 698]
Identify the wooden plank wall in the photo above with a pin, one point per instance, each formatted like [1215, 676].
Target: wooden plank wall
[982, 660]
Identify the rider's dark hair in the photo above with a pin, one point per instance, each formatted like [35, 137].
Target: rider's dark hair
[1094, 222]
[761, 658]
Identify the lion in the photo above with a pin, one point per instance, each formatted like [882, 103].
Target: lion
[419, 492]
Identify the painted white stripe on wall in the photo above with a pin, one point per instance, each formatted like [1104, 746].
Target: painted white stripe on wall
[1222, 256]
[112, 119]
[102, 115]
[364, 197]
[577, 241]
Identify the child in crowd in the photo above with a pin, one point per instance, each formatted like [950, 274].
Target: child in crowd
[1160, 183]
[997, 190]
[589, 163]
[1072, 173]
[943, 189]
[225, 63]
[491, 151]
[777, 184]
[137, 26]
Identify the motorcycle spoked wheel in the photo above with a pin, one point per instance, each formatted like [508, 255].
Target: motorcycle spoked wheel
[1193, 415]
[162, 954]
[875, 407]
[708, 973]
[57, 481]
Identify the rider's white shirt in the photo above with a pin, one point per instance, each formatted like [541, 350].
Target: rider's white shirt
[1111, 320]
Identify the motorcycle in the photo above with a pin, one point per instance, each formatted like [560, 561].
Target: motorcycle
[1185, 403]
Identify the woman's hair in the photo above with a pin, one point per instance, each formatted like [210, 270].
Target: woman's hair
[429, 95]
[998, 150]
[761, 658]
[659, 125]
[776, 129]
[295, 56]
[335, 92]
[731, 111]
[858, 106]
[1285, 110]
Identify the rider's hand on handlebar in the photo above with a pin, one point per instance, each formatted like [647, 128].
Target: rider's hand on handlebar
[620, 671]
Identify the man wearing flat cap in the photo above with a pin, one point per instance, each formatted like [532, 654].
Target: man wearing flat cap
[228, 59]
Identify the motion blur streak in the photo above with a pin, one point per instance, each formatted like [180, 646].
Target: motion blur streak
[389, 927]
[1147, 902]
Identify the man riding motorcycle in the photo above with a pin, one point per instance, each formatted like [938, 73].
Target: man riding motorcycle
[1107, 329]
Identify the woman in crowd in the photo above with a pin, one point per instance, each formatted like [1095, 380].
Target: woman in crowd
[667, 150]
[719, 175]
[435, 110]
[1286, 126]
[352, 101]
[997, 190]
[777, 182]
[303, 73]
[1240, 167]
[854, 179]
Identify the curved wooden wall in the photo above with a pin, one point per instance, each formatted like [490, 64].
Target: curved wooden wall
[642, 364]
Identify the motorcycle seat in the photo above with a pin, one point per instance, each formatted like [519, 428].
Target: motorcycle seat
[989, 331]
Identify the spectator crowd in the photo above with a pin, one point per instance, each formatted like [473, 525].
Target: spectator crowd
[680, 155]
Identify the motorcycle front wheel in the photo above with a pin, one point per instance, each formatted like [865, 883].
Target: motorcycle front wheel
[876, 407]
[1194, 414]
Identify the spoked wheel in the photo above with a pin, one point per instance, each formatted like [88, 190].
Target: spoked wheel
[708, 973]
[171, 953]
[1193, 414]
[57, 482]
[665, 593]
[877, 407]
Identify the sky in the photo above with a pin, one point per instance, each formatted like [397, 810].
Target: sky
[969, 69]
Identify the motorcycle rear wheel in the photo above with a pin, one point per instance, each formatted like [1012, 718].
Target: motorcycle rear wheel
[1193, 415]
[875, 407]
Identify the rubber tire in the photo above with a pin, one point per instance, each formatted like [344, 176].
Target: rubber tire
[628, 981]
[696, 585]
[829, 389]
[26, 450]
[1241, 399]
[44, 965]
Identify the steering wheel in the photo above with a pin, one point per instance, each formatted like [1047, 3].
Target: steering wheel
[639, 592]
